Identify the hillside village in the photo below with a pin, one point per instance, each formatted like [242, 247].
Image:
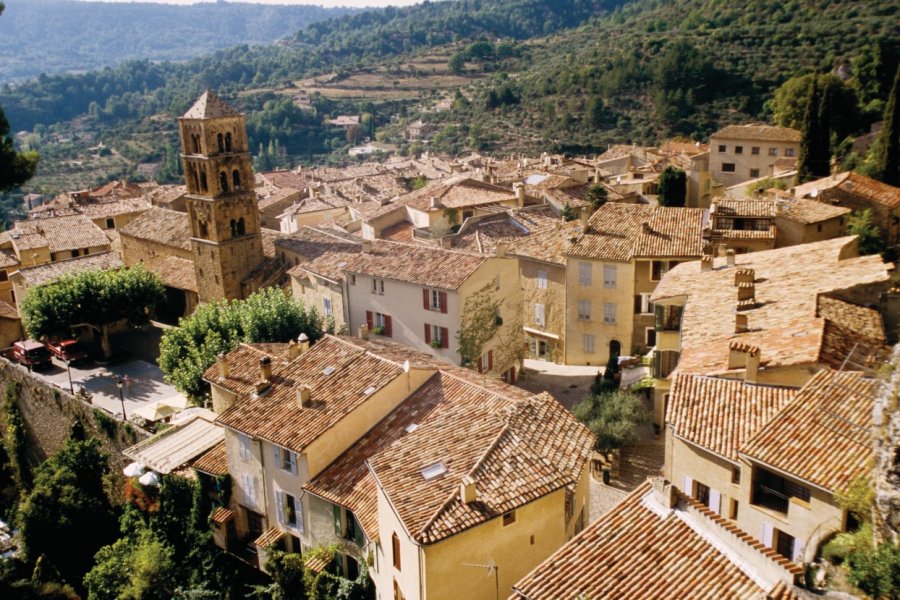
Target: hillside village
[413, 440]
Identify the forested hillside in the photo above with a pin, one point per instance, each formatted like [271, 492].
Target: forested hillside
[56, 36]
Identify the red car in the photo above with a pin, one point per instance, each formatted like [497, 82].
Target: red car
[68, 351]
[32, 354]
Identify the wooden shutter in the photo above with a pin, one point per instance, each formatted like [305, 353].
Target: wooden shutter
[688, 486]
[442, 299]
[445, 338]
[388, 329]
[767, 534]
[715, 501]
[480, 365]
[490, 360]
[337, 520]
[427, 333]
[395, 550]
[425, 303]
[277, 453]
[369, 319]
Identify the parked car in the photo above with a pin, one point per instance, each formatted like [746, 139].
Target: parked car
[33, 355]
[68, 351]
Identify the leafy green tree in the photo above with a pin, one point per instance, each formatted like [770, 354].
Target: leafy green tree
[862, 224]
[597, 196]
[613, 416]
[15, 167]
[67, 516]
[594, 112]
[457, 63]
[887, 146]
[814, 154]
[568, 213]
[135, 567]
[672, 187]
[788, 104]
[876, 571]
[98, 299]
[269, 315]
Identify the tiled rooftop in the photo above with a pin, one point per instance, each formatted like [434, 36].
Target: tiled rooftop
[47, 273]
[8, 258]
[417, 264]
[621, 232]
[854, 184]
[823, 435]
[743, 208]
[163, 226]
[807, 211]
[720, 414]
[534, 232]
[177, 272]
[760, 132]
[214, 461]
[209, 106]
[643, 549]
[326, 254]
[58, 234]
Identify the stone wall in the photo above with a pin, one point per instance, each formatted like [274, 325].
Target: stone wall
[886, 420]
[49, 413]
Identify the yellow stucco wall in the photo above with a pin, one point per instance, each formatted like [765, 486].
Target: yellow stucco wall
[745, 161]
[553, 299]
[792, 233]
[313, 291]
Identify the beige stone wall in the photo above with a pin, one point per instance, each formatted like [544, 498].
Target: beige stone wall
[746, 161]
[552, 298]
[687, 460]
[119, 221]
[313, 291]
[253, 497]
[792, 233]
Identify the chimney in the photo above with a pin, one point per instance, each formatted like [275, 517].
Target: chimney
[663, 492]
[222, 359]
[585, 220]
[729, 257]
[744, 276]
[293, 350]
[746, 291]
[363, 332]
[304, 396]
[645, 227]
[367, 246]
[751, 371]
[741, 324]
[706, 263]
[500, 250]
[435, 203]
[302, 344]
[722, 249]
[467, 490]
[447, 242]
[519, 189]
[265, 368]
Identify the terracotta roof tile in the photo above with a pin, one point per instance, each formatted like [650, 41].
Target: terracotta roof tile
[176, 272]
[802, 210]
[823, 435]
[58, 234]
[8, 259]
[761, 132]
[222, 515]
[214, 461]
[8, 311]
[743, 208]
[49, 272]
[326, 254]
[163, 226]
[641, 549]
[833, 188]
[621, 232]
[269, 537]
[418, 264]
[720, 414]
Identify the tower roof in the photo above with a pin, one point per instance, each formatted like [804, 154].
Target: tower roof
[210, 106]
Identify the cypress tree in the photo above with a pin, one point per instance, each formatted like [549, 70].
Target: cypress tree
[813, 160]
[886, 150]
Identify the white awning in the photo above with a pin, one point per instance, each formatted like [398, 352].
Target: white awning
[540, 333]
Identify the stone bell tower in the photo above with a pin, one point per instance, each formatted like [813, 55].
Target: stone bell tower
[221, 202]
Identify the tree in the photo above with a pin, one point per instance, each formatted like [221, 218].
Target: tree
[613, 416]
[887, 146]
[269, 315]
[672, 187]
[813, 162]
[98, 299]
[594, 112]
[135, 567]
[788, 104]
[67, 516]
[870, 239]
[597, 196]
[457, 63]
[15, 167]
[568, 213]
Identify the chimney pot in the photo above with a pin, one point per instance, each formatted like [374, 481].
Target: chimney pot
[741, 324]
[664, 492]
[468, 490]
[304, 396]
[302, 344]
[729, 257]
[519, 189]
[265, 368]
[645, 226]
[500, 250]
[222, 359]
[706, 263]
[585, 220]
[293, 350]
[367, 246]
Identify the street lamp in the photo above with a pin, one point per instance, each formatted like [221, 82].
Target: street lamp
[120, 383]
[69, 371]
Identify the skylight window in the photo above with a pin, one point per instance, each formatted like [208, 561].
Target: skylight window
[435, 470]
[369, 390]
[328, 370]
[412, 427]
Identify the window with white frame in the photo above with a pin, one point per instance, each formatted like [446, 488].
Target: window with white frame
[539, 314]
[609, 312]
[435, 300]
[285, 459]
[378, 319]
[542, 280]
[248, 486]
[436, 334]
[288, 507]
[584, 310]
[587, 343]
[584, 273]
[245, 451]
[326, 307]
[789, 152]
[646, 307]
[609, 276]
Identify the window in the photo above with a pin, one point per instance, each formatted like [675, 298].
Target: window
[754, 173]
[509, 518]
[609, 313]
[773, 151]
[722, 148]
[110, 223]
[75, 253]
[649, 337]
[285, 459]
[701, 493]
[736, 475]
[4, 276]
[733, 510]
[437, 336]
[236, 180]
[542, 280]
[352, 279]
[395, 550]
[728, 167]
[435, 300]
[539, 314]
[228, 142]
[379, 324]
[584, 310]
[377, 286]
[664, 362]
[486, 361]
[609, 276]
[658, 268]
[774, 492]
[288, 510]
[754, 150]
[819, 228]
[784, 544]
[248, 486]
[642, 304]
[584, 273]
[587, 343]
[789, 152]
[244, 449]
[326, 307]
[738, 149]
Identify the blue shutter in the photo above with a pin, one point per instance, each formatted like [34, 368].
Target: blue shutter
[279, 503]
[293, 456]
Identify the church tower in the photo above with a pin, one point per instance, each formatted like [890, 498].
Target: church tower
[221, 202]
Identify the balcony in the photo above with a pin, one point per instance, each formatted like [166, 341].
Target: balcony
[664, 362]
[771, 499]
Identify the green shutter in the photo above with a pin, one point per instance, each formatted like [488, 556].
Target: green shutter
[338, 530]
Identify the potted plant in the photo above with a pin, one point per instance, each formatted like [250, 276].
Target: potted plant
[435, 344]
[378, 330]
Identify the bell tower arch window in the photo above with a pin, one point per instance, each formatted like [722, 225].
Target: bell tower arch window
[223, 181]
[195, 140]
[228, 142]
[203, 185]
[234, 232]
[203, 229]
[236, 180]
[221, 142]
[241, 227]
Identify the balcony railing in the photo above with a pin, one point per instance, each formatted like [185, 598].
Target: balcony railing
[769, 498]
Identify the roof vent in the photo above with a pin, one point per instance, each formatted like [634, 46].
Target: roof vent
[412, 427]
[369, 390]
[432, 471]
[328, 370]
